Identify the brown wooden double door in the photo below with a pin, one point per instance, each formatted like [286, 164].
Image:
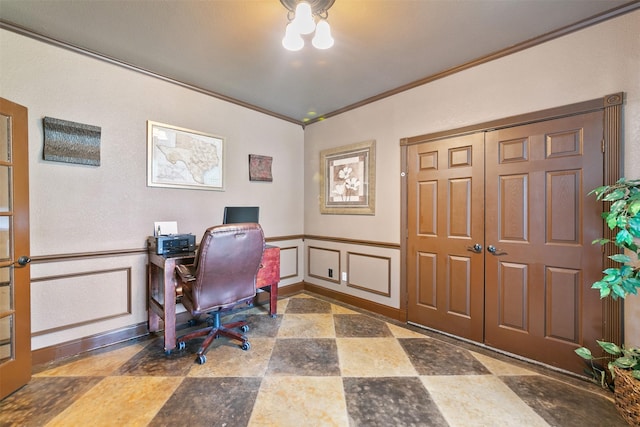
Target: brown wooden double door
[499, 237]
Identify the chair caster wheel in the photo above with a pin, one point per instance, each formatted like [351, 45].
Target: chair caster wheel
[167, 352]
[245, 346]
[244, 328]
[192, 322]
[200, 360]
[181, 345]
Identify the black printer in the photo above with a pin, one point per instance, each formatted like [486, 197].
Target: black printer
[173, 244]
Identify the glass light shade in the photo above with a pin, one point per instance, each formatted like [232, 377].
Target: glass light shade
[292, 39]
[304, 19]
[322, 39]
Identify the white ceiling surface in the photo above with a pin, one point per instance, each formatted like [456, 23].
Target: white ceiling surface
[233, 47]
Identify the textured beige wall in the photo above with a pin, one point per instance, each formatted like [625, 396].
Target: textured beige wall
[79, 209]
[588, 64]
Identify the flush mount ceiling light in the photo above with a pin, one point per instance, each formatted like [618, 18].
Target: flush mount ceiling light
[302, 16]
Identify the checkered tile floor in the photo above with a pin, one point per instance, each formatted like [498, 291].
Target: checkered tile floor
[318, 363]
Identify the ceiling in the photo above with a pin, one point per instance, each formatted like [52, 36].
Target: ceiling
[232, 48]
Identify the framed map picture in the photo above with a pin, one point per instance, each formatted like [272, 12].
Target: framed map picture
[183, 158]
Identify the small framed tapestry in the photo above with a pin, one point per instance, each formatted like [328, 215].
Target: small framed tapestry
[260, 168]
[71, 142]
[348, 183]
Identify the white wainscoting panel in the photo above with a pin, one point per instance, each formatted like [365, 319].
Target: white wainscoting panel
[288, 262]
[369, 273]
[322, 260]
[60, 302]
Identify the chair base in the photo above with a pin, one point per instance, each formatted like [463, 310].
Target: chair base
[213, 332]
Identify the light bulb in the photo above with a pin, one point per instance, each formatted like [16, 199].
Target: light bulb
[322, 39]
[304, 19]
[292, 39]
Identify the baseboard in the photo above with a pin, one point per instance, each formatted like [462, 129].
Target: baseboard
[72, 348]
[81, 345]
[287, 291]
[384, 310]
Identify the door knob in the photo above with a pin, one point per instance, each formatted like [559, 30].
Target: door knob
[495, 251]
[23, 260]
[477, 248]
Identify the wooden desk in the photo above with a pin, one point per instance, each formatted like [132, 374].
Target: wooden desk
[163, 291]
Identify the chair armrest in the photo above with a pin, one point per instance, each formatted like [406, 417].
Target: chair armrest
[186, 272]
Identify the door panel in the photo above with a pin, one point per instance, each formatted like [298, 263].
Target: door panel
[444, 275]
[15, 320]
[538, 298]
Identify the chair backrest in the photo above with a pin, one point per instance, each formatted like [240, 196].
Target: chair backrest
[226, 266]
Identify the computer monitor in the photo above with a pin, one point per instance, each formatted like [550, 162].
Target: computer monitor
[236, 214]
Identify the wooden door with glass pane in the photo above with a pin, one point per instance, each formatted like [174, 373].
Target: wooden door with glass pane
[15, 320]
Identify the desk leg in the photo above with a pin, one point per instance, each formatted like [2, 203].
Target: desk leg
[154, 319]
[169, 309]
[273, 300]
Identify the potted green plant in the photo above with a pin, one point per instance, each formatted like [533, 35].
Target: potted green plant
[624, 196]
[623, 373]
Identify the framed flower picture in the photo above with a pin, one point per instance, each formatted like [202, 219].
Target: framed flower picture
[348, 179]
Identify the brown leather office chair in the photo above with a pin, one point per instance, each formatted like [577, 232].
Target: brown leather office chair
[222, 277]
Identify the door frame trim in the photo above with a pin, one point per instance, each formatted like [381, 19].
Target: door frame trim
[611, 105]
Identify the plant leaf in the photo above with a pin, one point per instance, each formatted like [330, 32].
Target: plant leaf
[598, 191]
[626, 270]
[620, 258]
[600, 241]
[618, 290]
[624, 362]
[634, 208]
[584, 352]
[623, 237]
[610, 347]
[630, 287]
[634, 281]
[618, 206]
[613, 371]
[611, 275]
[634, 224]
[616, 194]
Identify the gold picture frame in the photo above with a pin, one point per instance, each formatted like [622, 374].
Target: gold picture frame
[184, 158]
[348, 179]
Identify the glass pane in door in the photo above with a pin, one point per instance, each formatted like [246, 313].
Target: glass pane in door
[5, 199]
[6, 338]
[5, 140]
[7, 313]
[6, 301]
[5, 238]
